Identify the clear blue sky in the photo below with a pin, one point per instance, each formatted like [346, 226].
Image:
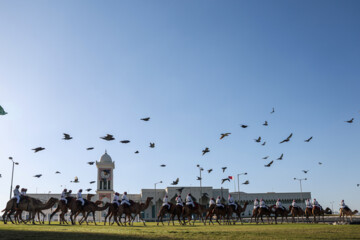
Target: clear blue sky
[198, 69]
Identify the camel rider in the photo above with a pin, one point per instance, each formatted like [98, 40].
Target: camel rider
[166, 202]
[316, 204]
[262, 204]
[179, 201]
[189, 200]
[343, 205]
[279, 204]
[256, 203]
[63, 196]
[68, 194]
[23, 192]
[308, 203]
[218, 202]
[232, 202]
[17, 195]
[116, 198]
[125, 200]
[212, 202]
[80, 198]
[294, 204]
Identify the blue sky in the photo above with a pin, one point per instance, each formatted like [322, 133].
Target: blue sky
[198, 69]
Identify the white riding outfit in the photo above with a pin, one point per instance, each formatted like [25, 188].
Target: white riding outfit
[279, 205]
[116, 199]
[179, 201]
[232, 202]
[262, 204]
[218, 203]
[308, 204]
[166, 202]
[342, 204]
[256, 204]
[17, 195]
[125, 200]
[63, 197]
[79, 197]
[212, 202]
[189, 201]
[316, 204]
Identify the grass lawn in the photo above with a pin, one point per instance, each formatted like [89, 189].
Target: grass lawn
[199, 231]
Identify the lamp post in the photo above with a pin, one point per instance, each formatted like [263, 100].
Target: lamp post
[245, 173]
[155, 195]
[300, 180]
[200, 169]
[12, 175]
[332, 206]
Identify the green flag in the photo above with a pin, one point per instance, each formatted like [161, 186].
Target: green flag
[2, 111]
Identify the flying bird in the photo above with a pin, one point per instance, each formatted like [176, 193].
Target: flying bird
[88, 190]
[244, 126]
[281, 157]
[0, 176]
[206, 150]
[224, 168]
[76, 180]
[38, 149]
[90, 148]
[199, 178]
[358, 184]
[266, 123]
[125, 141]
[67, 136]
[136, 152]
[209, 170]
[269, 164]
[258, 140]
[224, 180]
[350, 121]
[175, 182]
[90, 163]
[92, 182]
[108, 137]
[273, 110]
[305, 171]
[162, 165]
[152, 145]
[266, 157]
[180, 190]
[246, 182]
[263, 143]
[38, 175]
[287, 139]
[57, 172]
[309, 139]
[2, 111]
[320, 163]
[224, 135]
[145, 119]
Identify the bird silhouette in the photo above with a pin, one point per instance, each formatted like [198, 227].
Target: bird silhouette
[0, 176]
[152, 145]
[2, 111]
[162, 165]
[350, 121]
[273, 110]
[265, 123]
[224, 180]
[263, 143]
[281, 157]
[57, 172]
[206, 150]
[76, 180]
[309, 139]
[305, 171]
[287, 139]
[88, 190]
[136, 152]
[266, 157]
[320, 163]
[199, 178]
[269, 164]
[92, 182]
[38, 175]
[258, 140]
[145, 119]
[180, 190]
[244, 126]
[175, 182]
[246, 182]
[209, 170]
[125, 141]
[358, 184]
[224, 135]
[90, 163]
[224, 168]
[108, 137]
[67, 136]
[38, 149]
[90, 148]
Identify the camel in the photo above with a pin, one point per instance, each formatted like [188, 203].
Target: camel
[209, 214]
[177, 212]
[188, 211]
[254, 214]
[296, 212]
[239, 211]
[317, 212]
[135, 208]
[18, 214]
[264, 211]
[31, 205]
[63, 208]
[308, 213]
[112, 213]
[76, 208]
[221, 213]
[345, 212]
[171, 211]
[281, 212]
[91, 207]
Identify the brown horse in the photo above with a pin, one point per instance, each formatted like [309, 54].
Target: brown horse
[281, 212]
[296, 212]
[345, 212]
[264, 211]
[188, 211]
[316, 211]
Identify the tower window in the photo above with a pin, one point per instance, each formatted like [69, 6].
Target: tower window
[101, 184]
[109, 185]
[104, 185]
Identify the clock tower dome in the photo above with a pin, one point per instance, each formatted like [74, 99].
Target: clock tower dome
[105, 179]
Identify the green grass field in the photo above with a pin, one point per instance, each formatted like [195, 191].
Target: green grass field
[199, 231]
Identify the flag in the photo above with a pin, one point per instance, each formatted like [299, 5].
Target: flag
[231, 177]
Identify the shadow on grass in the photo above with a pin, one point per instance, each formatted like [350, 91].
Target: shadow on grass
[13, 234]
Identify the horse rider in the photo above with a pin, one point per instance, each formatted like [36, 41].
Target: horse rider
[212, 202]
[279, 204]
[17, 195]
[80, 198]
[179, 201]
[218, 202]
[189, 200]
[116, 199]
[63, 196]
[308, 203]
[256, 203]
[262, 204]
[232, 202]
[125, 200]
[316, 204]
[166, 202]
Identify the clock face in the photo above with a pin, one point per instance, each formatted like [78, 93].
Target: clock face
[105, 174]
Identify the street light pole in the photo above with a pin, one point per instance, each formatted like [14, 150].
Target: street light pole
[239, 183]
[12, 175]
[155, 196]
[200, 169]
[300, 180]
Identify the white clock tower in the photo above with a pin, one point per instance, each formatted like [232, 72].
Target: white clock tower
[105, 179]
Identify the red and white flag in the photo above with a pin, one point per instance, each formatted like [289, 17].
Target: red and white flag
[231, 177]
